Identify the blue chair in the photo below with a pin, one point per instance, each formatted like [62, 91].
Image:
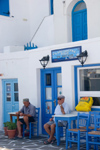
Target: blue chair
[33, 126]
[92, 113]
[75, 134]
[93, 137]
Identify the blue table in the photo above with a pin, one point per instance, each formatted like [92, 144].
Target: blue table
[68, 117]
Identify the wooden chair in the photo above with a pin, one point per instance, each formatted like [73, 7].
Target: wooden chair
[74, 135]
[93, 137]
[33, 126]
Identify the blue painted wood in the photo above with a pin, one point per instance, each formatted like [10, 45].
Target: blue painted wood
[11, 105]
[75, 135]
[4, 7]
[53, 86]
[68, 118]
[30, 46]
[33, 126]
[94, 139]
[51, 6]
[79, 23]
[76, 83]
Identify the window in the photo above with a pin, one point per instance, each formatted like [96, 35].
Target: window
[90, 79]
[4, 7]
[89, 84]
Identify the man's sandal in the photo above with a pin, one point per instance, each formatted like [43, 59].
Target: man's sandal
[53, 141]
[47, 142]
[26, 131]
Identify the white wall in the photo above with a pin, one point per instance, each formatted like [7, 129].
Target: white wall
[25, 66]
[38, 10]
[45, 35]
[18, 30]
[12, 29]
[93, 11]
[63, 19]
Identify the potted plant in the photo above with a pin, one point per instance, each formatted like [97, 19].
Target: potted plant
[11, 130]
[5, 128]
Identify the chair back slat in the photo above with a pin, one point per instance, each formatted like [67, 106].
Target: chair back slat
[92, 114]
[97, 121]
[83, 120]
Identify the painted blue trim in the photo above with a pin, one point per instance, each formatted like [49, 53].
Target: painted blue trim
[51, 7]
[73, 17]
[4, 8]
[52, 71]
[76, 82]
[12, 81]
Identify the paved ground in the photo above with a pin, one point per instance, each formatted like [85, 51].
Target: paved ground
[36, 143]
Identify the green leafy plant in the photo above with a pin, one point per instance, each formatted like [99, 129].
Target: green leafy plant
[11, 126]
[6, 124]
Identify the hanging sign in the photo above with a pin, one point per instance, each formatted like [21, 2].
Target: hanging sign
[65, 54]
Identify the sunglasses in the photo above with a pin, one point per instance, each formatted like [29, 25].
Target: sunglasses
[59, 98]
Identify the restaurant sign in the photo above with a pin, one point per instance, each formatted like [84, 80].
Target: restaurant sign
[65, 54]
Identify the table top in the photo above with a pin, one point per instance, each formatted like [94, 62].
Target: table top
[72, 114]
[12, 113]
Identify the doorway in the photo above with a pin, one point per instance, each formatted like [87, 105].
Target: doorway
[79, 21]
[10, 98]
[51, 88]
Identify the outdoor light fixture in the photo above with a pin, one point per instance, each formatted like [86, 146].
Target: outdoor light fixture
[82, 57]
[44, 61]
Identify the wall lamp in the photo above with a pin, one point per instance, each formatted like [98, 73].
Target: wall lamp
[44, 61]
[82, 57]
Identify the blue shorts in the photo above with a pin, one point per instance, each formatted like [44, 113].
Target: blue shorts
[61, 124]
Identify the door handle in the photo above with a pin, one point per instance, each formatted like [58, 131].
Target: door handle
[54, 102]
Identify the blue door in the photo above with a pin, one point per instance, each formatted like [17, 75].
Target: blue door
[10, 98]
[79, 22]
[51, 88]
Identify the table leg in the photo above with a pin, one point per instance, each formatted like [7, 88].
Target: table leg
[11, 117]
[17, 118]
[57, 132]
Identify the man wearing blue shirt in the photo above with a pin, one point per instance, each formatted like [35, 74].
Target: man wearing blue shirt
[28, 112]
[61, 109]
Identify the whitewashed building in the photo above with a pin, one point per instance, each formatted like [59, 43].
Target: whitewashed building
[61, 29]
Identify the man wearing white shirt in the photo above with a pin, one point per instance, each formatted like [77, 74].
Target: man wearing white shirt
[61, 109]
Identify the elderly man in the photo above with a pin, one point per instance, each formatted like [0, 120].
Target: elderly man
[28, 113]
[61, 108]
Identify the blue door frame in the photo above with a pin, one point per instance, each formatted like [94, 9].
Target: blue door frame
[47, 114]
[76, 83]
[79, 23]
[51, 6]
[10, 97]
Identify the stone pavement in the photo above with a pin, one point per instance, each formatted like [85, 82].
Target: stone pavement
[36, 143]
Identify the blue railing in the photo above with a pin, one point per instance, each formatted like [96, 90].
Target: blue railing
[29, 46]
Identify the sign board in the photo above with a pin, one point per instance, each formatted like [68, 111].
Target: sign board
[65, 54]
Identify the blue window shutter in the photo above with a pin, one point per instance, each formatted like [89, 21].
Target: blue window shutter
[4, 7]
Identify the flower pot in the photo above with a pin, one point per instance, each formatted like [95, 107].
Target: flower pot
[5, 130]
[11, 133]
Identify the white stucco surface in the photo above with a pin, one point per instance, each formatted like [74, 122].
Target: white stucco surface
[25, 17]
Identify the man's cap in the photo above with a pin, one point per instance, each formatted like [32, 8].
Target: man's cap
[61, 97]
[26, 100]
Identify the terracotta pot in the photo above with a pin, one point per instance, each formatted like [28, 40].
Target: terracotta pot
[11, 133]
[5, 129]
